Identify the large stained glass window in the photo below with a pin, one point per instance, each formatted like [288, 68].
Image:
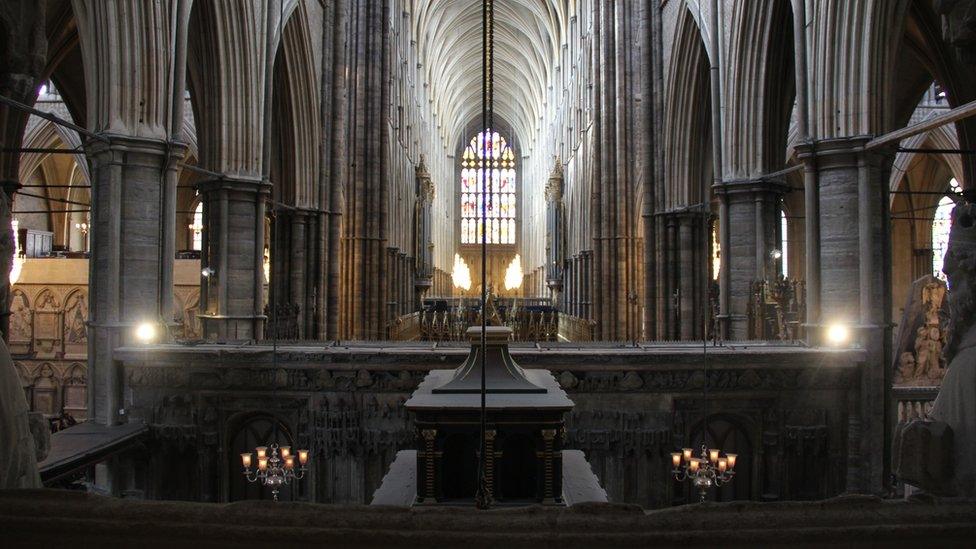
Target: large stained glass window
[488, 153]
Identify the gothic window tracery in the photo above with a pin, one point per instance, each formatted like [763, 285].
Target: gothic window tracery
[488, 153]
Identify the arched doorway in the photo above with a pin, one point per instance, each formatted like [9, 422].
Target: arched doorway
[253, 431]
[727, 434]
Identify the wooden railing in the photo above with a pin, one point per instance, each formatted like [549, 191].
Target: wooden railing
[405, 328]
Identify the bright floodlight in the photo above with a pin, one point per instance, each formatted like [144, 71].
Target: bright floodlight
[776, 254]
[838, 334]
[146, 332]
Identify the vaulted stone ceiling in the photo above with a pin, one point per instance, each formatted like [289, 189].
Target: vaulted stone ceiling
[528, 39]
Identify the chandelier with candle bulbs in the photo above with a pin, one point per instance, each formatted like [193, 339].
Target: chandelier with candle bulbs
[708, 470]
[277, 469]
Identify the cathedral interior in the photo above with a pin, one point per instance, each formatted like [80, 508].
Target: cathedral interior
[263, 250]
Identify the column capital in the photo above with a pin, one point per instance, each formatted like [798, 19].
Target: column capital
[238, 183]
[755, 185]
[114, 142]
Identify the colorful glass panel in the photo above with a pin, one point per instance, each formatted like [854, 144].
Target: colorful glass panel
[488, 181]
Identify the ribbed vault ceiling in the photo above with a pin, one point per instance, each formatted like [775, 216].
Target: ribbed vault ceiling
[528, 39]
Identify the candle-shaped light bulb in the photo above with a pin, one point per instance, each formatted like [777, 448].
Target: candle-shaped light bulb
[686, 453]
[262, 463]
[723, 464]
[713, 455]
[693, 465]
[290, 462]
[262, 451]
[303, 457]
[731, 460]
[246, 460]
[676, 459]
[285, 451]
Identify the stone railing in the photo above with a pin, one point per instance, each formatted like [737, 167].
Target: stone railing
[912, 402]
[574, 328]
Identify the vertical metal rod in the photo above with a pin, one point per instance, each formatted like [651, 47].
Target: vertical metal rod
[481, 496]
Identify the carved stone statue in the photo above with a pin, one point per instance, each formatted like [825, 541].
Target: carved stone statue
[956, 403]
[906, 367]
[928, 353]
[18, 452]
[922, 334]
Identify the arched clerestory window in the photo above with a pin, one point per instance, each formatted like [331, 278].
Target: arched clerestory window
[941, 224]
[488, 152]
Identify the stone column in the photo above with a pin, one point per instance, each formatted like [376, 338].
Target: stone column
[235, 251]
[298, 263]
[686, 280]
[427, 468]
[854, 271]
[125, 281]
[134, 161]
[753, 208]
[555, 233]
[233, 46]
[423, 246]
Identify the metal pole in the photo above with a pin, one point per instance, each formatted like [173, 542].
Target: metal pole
[482, 496]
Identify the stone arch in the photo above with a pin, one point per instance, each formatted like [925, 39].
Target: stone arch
[687, 123]
[731, 433]
[44, 390]
[245, 431]
[760, 88]
[75, 320]
[74, 390]
[296, 128]
[529, 37]
[855, 83]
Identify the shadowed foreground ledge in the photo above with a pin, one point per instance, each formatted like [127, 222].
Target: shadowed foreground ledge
[38, 518]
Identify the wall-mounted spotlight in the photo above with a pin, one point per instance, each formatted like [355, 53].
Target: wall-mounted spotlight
[146, 332]
[838, 334]
[207, 272]
[776, 254]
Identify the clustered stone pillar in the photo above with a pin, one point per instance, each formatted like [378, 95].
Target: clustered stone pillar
[231, 299]
[365, 219]
[423, 245]
[617, 266]
[125, 281]
[555, 232]
[753, 208]
[134, 160]
[854, 274]
[686, 236]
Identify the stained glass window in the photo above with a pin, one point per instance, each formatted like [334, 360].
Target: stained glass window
[488, 153]
[940, 230]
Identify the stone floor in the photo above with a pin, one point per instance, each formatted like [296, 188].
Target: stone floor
[44, 518]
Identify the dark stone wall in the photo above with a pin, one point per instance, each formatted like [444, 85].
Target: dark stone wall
[790, 412]
[44, 518]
